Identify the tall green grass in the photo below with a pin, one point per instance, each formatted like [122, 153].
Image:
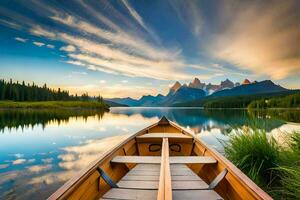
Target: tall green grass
[289, 170]
[273, 167]
[254, 153]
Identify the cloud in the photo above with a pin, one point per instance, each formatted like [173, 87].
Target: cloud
[259, 37]
[50, 46]
[3, 166]
[39, 31]
[47, 160]
[77, 157]
[21, 39]
[139, 19]
[10, 24]
[39, 168]
[19, 161]
[113, 90]
[102, 81]
[120, 43]
[189, 14]
[39, 44]
[68, 48]
[129, 69]
[18, 155]
[124, 81]
[74, 62]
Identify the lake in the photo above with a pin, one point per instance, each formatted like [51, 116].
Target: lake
[42, 149]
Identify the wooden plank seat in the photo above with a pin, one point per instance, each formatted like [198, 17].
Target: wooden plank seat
[121, 193]
[164, 135]
[195, 195]
[157, 137]
[156, 159]
[183, 180]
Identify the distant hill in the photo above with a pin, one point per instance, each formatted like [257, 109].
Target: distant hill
[124, 101]
[266, 86]
[150, 100]
[234, 101]
[114, 104]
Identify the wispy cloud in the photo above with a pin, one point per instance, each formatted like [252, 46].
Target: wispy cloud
[42, 32]
[19, 161]
[21, 39]
[190, 14]
[139, 19]
[75, 62]
[50, 46]
[39, 44]
[262, 47]
[10, 24]
[105, 45]
[68, 48]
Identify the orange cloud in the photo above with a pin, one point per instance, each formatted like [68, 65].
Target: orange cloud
[260, 37]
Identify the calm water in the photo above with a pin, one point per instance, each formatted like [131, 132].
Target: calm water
[40, 150]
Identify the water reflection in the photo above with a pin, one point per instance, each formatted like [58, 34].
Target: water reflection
[26, 118]
[41, 149]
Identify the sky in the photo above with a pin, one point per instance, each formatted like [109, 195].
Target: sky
[133, 48]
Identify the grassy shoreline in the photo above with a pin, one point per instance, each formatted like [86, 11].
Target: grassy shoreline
[271, 165]
[54, 105]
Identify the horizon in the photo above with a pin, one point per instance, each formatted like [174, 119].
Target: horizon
[139, 97]
[136, 48]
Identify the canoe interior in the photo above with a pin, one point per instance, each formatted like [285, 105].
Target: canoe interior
[87, 184]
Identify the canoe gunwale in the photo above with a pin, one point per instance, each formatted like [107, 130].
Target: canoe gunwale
[83, 174]
[232, 169]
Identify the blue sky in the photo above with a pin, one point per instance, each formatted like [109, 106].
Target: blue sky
[132, 48]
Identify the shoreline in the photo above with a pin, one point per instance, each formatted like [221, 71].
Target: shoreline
[6, 105]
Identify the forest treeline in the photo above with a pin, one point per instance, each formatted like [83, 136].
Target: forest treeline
[287, 99]
[16, 91]
[290, 101]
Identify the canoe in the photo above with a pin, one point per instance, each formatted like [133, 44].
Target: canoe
[162, 161]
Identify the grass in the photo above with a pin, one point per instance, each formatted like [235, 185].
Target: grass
[273, 167]
[254, 153]
[54, 104]
[289, 169]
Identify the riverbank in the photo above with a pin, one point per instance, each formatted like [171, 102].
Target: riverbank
[54, 105]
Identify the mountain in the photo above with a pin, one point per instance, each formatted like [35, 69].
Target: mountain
[246, 82]
[266, 86]
[196, 83]
[125, 101]
[184, 93]
[175, 87]
[114, 104]
[150, 100]
[210, 88]
[198, 91]
[227, 84]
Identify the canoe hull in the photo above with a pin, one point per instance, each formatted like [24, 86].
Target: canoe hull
[88, 184]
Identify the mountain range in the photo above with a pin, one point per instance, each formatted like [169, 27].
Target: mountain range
[197, 90]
